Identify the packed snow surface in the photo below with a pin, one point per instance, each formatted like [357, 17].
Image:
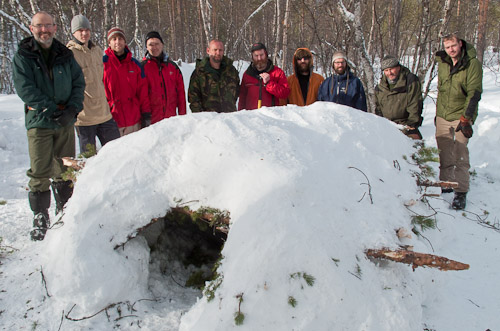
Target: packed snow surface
[308, 189]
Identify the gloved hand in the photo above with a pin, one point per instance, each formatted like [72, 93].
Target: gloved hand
[145, 120]
[65, 116]
[465, 126]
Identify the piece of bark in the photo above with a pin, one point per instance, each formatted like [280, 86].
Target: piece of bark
[416, 259]
[429, 183]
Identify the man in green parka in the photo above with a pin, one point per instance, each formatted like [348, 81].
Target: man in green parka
[215, 84]
[460, 77]
[399, 96]
[51, 84]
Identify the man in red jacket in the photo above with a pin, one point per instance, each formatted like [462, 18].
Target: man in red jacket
[263, 83]
[125, 84]
[165, 84]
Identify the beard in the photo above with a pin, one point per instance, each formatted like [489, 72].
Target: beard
[304, 68]
[339, 71]
[44, 42]
[260, 65]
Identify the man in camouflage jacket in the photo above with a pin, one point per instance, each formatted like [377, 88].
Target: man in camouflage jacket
[214, 84]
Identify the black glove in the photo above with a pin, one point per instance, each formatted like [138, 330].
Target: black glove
[65, 116]
[465, 126]
[145, 120]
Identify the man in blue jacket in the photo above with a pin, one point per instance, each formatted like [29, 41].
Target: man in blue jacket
[51, 84]
[343, 87]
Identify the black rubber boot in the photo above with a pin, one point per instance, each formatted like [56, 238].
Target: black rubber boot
[459, 201]
[39, 204]
[62, 192]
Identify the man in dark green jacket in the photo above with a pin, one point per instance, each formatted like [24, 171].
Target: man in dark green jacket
[399, 96]
[51, 84]
[460, 77]
[215, 83]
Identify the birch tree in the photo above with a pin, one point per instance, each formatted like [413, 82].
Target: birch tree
[366, 66]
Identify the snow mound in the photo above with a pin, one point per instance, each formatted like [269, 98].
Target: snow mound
[298, 182]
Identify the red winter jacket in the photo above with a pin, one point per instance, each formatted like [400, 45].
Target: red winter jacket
[165, 87]
[276, 89]
[126, 88]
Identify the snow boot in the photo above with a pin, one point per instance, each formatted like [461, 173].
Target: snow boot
[63, 190]
[39, 204]
[459, 201]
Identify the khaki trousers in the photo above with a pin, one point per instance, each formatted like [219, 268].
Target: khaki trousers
[453, 154]
[46, 148]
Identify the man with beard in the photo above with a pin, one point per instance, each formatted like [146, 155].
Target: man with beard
[215, 83]
[165, 83]
[343, 87]
[460, 77]
[304, 83]
[399, 96]
[263, 83]
[95, 119]
[125, 85]
[51, 84]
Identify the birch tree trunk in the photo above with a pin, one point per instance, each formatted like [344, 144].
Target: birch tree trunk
[277, 33]
[206, 11]
[481, 29]
[432, 64]
[352, 20]
[285, 34]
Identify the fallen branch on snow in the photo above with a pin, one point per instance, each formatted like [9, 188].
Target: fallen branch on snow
[428, 183]
[416, 259]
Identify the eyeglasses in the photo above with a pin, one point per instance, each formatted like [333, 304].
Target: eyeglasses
[339, 62]
[47, 26]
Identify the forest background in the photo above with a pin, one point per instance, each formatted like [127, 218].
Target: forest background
[365, 30]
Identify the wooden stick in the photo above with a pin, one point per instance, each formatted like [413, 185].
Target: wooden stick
[428, 183]
[416, 259]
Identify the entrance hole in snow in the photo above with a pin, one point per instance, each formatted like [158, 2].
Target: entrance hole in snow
[185, 246]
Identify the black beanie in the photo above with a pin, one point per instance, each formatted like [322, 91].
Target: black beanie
[153, 34]
[258, 46]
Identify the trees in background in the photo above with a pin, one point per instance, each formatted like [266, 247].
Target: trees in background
[365, 29]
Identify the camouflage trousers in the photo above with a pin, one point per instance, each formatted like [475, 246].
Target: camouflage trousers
[46, 148]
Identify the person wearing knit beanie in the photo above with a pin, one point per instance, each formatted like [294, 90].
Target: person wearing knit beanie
[79, 22]
[113, 32]
[343, 87]
[153, 34]
[126, 85]
[95, 120]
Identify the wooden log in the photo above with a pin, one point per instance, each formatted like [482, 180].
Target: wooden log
[428, 183]
[416, 259]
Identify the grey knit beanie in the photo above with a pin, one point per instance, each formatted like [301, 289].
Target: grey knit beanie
[389, 61]
[338, 55]
[79, 22]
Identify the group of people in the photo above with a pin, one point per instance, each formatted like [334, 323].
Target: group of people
[75, 86]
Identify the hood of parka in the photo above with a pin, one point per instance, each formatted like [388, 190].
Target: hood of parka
[294, 60]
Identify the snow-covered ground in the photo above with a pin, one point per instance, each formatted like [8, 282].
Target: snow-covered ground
[298, 183]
